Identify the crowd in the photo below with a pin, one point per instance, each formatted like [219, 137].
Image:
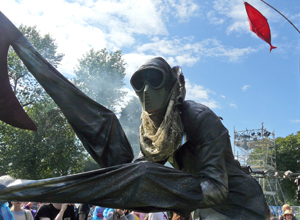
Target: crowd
[58, 211]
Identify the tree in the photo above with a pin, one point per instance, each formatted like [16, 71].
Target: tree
[23, 83]
[288, 158]
[100, 75]
[130, 120]
[51, 151]
[54, 149]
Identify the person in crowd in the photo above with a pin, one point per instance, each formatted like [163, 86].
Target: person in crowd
[19, 213]
[135, 216]
[120, 214]
[106, 212]
[55, 211]
[178, 217]
[286, 207]
[83, 211]
[98, 213]
[141, 215]
[288, 215]
[32, 207]
[91, 212]
[157, 216]
[5, 213]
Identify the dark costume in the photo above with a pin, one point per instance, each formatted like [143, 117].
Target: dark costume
[206, 176]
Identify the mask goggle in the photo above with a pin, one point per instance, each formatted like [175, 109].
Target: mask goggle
[154, 78]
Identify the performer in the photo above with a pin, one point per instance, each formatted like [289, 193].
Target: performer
[205, 177]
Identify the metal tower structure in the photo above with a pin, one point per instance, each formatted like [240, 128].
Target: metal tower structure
[256, 148]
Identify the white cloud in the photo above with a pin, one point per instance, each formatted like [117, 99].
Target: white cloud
[134, 61]
[213, 19]
[184, 9]
[79, 26]
[200, 94]
[223, 96]
[235, 13]
[186, 52]
[245, 87]
[295, 121]
[233, 105]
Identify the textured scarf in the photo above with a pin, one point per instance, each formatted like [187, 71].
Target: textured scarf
[158, 144]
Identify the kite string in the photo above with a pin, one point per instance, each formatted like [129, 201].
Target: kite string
[281, 15]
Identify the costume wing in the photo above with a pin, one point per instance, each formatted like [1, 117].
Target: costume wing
[11, 111]
[97, 127]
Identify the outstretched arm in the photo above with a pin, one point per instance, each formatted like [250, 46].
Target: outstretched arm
[97, 127]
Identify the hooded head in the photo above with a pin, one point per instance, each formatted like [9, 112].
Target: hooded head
[154, 82]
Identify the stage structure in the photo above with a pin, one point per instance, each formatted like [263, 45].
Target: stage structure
[256, 148]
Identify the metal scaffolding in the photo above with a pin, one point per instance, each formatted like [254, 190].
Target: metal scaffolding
[256, 148]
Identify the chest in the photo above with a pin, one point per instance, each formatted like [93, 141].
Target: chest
[19, 215]
[185, 158]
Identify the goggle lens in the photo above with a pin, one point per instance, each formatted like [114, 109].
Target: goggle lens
[152, 76]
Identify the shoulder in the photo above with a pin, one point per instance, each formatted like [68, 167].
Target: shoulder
[194, 111]
[197, 118]
[156, 216]
[130, 216]
[110, 216]
[28, 214]
[44, 211]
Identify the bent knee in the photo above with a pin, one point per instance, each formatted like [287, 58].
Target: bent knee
[212, 194]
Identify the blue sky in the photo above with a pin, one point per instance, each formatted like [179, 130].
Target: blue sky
[227, 67]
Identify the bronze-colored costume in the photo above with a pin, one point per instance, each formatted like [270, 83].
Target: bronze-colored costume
[206, 176]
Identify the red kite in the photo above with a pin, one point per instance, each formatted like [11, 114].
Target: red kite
[259, 24]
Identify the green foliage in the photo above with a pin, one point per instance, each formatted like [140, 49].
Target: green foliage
[51, 151]
[100, 75]
[288, 158]
[26, 88]
[90, 164]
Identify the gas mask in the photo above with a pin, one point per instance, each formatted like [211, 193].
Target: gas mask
[153, 83]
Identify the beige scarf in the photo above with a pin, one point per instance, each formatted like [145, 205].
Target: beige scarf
[158, 144]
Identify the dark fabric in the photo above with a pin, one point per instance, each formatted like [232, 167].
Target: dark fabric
[208, 154]
[51, 212]
[144, 187]
[97, 127]
[11, 111]
[83, 209]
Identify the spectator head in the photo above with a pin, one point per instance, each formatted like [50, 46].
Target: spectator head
[286, 207]
[288, 215]
[16, 206]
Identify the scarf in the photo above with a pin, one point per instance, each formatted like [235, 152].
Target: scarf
[158, 144]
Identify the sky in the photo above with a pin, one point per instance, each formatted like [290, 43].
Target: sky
[226, 66]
